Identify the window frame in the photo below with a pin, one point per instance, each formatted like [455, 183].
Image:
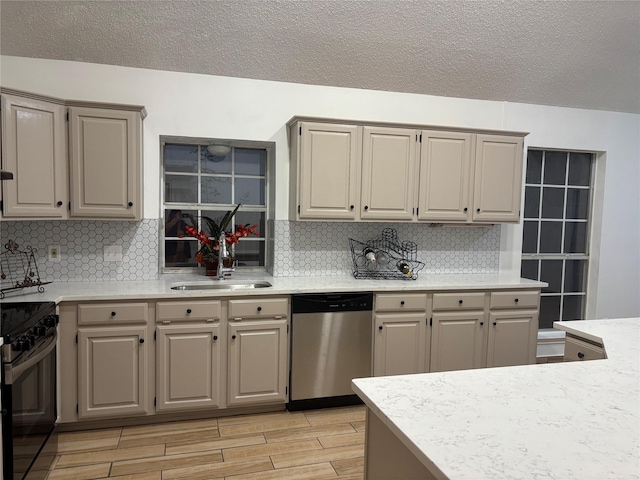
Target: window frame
[268, 208]
[588, 255]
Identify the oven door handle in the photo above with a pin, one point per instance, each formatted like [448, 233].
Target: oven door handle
[11, 374]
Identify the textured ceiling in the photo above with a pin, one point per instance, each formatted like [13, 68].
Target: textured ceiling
[582, 54]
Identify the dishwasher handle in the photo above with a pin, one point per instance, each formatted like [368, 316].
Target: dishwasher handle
[331, 302]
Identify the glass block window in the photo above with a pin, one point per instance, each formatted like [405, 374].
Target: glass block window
[555, 247]
[199, 180]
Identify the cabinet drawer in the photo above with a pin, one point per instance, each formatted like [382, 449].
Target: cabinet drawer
[458, 301]
[401, 302]
[577, 350]
[255, 308]
[112, 313]
[188, 311]
[515, 299]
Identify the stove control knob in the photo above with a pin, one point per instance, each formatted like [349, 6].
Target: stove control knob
[40, 330]
[50, 321]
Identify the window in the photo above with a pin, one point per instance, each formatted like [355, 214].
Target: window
[202, 178]
[555, 248]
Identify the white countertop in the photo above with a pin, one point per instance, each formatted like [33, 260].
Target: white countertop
[161, 288]
[574, 420]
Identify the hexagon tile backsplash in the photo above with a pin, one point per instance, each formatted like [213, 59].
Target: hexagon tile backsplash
[82, 245]
[322, 248]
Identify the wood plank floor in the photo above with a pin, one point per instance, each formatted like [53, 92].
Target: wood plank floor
[315, 444]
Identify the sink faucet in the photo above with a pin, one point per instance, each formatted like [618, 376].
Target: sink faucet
[223, 254]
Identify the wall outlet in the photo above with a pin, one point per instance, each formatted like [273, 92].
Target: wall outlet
[113, 253]
[54, 253]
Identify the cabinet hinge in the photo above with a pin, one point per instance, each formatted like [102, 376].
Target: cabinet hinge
[420, 138]
[300, 130]
[69, 206]
[77, 408]
[155, 401]
[286, 390]
[1, 206]
[298, 208]
[76, 338]
[417, 210]
[67, 116]
[431, 322]
[287, 328]
[155, 335]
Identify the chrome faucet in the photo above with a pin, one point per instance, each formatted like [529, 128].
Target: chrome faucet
[223, 254]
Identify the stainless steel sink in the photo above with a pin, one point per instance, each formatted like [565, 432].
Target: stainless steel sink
[221, 285]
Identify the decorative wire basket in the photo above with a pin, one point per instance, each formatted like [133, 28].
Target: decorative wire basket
[18, 269]
[382, 257]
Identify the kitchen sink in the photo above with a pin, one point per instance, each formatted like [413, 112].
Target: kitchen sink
[221, 285]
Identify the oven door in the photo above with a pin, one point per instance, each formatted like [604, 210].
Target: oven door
[29, 401]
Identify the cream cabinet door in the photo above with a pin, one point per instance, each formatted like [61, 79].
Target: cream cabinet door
[329, 158]
[106, 163]
[445, 168]
[188, 366]
[34, 149]
[458, 341]
[112, 371]
[513, 338]
[388, 174]
[399, 344]
[498, 178]
[257, 362]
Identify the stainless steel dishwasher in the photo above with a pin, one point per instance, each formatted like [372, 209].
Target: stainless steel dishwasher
[331, 336]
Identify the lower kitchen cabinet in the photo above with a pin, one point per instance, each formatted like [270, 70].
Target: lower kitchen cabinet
[400, 344]
[112, 371]
[188, 364]
[513, 338]
[257, 361]
[457, 340]
[580, 349]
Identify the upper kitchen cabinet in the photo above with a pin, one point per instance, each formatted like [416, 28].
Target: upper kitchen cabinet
[498, 178]
[325, 170]
[89, 167]
[106, 163]
[445, 172]
[34, 149]
[388, 174]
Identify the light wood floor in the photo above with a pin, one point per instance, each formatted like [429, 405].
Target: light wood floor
[315, 444]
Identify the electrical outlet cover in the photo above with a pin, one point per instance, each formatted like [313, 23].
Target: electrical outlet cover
[113, 253]
[54, 253]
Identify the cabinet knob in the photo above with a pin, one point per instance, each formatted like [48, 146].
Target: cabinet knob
[130, 204]
[495, 323]
[215, 337]
[366, 207]
[481, 323]
[259, 309]
[401, 302]
[141, 340]
[465, 209]
[580, 355]
[380, 327]
[59, 203]
[113, 314]
[460, 302]
[478, 210]
[233, 337]
[516, 300]
[188, 310]
[352, 207]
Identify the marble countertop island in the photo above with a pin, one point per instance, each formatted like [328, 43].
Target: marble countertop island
[574, 420]
[161, 288]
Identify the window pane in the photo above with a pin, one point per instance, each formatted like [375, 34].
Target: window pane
[552, 202]
[250, 161]
[555, 167]
[252, 218]
[180, 158]
[551, 272]
[216, 190]
[532, 202]
[575, 237]
[574, 276]
[572, 307]
[249, 191]
[549, 311]
[529, 269]
[215, 163]
[580, 169]
[248, 253]
[180, 253]
[530, 237]
[175, 221]
[216, 216]
[551, 237]
[181, 188]
[534, 166]
[577, 203]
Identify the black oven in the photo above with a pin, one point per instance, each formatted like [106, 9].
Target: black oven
[28, 383]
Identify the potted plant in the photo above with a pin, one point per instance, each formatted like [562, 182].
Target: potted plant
[210, 238]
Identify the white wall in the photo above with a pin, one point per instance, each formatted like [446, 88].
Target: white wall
[222, 107]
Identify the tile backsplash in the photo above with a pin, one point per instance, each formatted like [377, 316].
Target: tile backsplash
[322, 248]
[82, 245]
[297, 249]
